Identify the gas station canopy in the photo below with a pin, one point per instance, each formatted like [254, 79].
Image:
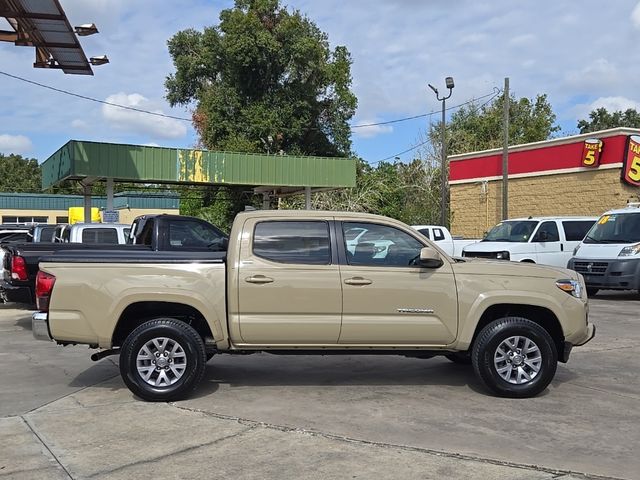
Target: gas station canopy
[280, 174]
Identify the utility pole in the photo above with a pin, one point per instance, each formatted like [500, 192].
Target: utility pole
[505, 152]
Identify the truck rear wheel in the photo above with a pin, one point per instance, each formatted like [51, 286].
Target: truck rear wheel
[162, 360]
[514, 357]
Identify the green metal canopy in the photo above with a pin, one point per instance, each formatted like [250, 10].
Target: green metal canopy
[79, 160]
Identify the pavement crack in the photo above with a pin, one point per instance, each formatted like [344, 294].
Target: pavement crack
[33, 430]
[69, 394]
[557, 473]
[176, 452]
[608, 392]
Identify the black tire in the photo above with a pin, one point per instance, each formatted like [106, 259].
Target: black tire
[592, 291]
[461, 358]
[485, 358]
[191, 351]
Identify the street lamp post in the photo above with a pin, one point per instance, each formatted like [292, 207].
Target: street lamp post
[443, 169]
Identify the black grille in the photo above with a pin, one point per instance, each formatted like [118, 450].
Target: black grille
[480, 254]
[591, 268]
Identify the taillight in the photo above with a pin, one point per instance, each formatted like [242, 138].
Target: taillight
[19, 268]
[44, 285]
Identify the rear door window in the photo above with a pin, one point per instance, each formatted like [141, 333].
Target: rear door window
[304, 242]
[575, 230]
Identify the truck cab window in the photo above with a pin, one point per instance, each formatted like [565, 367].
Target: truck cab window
[304, 242]
[192, 234]
[382, 245]
[437, 234]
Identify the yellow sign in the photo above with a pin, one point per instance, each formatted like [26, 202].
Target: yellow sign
[76, 215]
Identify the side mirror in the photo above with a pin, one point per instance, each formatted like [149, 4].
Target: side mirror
[429, 258]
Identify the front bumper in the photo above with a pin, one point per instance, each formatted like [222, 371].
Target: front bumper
[568, 346]
[619, 274]
[15, 294]
[40, 326]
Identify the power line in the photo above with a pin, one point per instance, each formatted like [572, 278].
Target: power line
[184, 119]
[84, 97]
[495, 93]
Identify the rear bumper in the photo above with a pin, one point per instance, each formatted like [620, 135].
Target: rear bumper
[15, 294]
[619, 274]
[40, 326]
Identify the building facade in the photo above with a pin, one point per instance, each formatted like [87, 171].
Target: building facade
[23, 208]
[578, 175]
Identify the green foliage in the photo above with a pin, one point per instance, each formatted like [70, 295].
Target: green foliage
[408, 192]
[263, 80]
[19, 175]
[601, 119]
[479, 127]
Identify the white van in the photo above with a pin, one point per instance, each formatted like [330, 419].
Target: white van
[545, 240]
[609, 255]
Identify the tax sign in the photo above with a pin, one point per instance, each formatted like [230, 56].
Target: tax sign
[591, 152]
[631, 167]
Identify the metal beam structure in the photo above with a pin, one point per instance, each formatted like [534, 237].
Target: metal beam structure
[42, 24]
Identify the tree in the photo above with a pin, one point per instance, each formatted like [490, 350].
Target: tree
[264, 80]
[479, 127]
[601, 119]
[19, 175]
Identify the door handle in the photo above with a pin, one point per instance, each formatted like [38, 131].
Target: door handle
[259, 279]
[358, 281]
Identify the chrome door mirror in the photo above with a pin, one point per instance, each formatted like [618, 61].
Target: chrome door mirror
[429, 258]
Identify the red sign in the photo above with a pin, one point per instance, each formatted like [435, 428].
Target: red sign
[631, 167]
[591, 152]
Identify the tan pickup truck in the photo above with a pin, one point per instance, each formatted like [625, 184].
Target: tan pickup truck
[295, 282]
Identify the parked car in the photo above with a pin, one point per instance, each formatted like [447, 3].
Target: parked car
[289, 285]
[41, 233]
[10, 234]
[545, 240]
[609, 255]
[147, 233]
[443, 238]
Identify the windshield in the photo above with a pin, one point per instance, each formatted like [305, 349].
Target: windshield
[615, 228]
[511, 231]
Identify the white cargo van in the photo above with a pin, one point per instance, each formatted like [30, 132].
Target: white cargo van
[545, 240]
[609, 255]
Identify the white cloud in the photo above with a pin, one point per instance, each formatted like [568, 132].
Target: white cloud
[372, 131]
[18, 144]
[612, 104]
[635, 16]
[139, 122]
[522, 39]
[79, 124]
[597, 73]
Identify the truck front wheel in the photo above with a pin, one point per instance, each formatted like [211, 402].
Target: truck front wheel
[514, 357]
[162, 360]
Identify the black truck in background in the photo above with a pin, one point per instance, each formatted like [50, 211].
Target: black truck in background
[155, 233]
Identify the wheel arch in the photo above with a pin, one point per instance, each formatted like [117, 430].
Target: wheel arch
[543, 316]
[140, 312]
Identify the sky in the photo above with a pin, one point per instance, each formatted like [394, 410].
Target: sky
[583, 55]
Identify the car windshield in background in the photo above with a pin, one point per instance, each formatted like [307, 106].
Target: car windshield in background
[511, 231]
[615, 228]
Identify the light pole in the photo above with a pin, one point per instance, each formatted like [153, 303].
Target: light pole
[443, 169]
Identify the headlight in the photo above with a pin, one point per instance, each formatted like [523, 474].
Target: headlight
[503, 255]
[572, 287]
[575, 250]
[630, 250]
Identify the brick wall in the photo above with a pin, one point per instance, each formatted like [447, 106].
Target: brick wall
[592, 192]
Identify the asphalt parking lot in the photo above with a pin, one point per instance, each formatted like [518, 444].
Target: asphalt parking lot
[263, 416]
